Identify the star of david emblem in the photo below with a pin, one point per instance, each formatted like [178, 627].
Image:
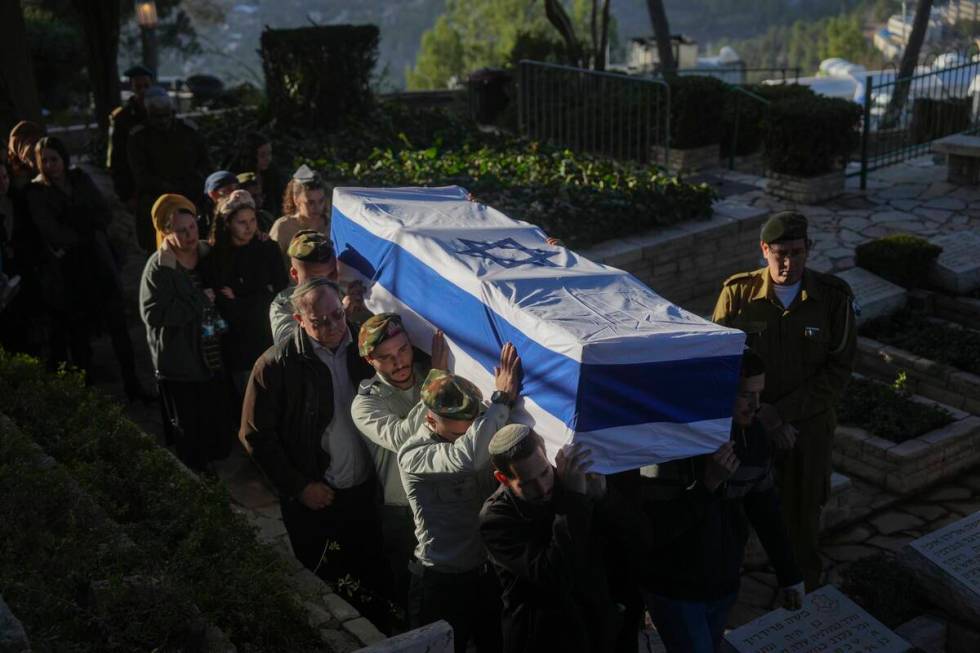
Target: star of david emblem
[537, 257]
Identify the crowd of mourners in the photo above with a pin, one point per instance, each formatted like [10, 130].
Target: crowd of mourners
[398, 479]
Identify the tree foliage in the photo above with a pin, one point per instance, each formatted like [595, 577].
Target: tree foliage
[474, 34]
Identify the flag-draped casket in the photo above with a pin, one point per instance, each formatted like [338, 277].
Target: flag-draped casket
[607, 361]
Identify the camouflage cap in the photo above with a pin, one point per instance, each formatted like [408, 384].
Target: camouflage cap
[784, 225]
[310, 246]
[376, 330]
[451, 396]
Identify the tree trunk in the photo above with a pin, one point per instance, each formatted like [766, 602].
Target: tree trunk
[100, 21]
[599, 61]
[910, 57]
[558, 17]
[18, 90]
[661, 31]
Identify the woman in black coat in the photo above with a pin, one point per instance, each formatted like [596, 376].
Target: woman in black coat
[245, 272]
[80, 284]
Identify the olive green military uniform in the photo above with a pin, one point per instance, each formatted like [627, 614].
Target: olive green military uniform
[121, 122]
[809, 352]
[165, 161]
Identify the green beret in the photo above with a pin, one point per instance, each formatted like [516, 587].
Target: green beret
[785, 225]
[451, 396]
[310, 246]
[376, 330]
[508, 437]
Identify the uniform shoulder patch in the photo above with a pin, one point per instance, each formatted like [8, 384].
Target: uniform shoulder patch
[368, 387]
[836, 283]
[741, 277]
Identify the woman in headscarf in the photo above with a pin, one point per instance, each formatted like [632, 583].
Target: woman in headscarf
[184, 330]
[79, 280]
[245, 273]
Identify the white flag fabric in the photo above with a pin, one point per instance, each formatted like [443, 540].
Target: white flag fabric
[607, 361]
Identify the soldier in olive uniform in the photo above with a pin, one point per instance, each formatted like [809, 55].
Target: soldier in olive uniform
[122, 121]
[802, 323]
[166, 155]
[388, 410]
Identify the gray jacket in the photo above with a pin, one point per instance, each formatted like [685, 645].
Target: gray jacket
[446, 484]
[281, 315]
[388, 417]
[172, 308]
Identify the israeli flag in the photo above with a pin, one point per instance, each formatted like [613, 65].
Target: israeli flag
[607, 361]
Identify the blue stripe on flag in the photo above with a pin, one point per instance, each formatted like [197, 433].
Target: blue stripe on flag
[607, 395]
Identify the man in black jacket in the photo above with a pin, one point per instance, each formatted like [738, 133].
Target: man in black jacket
[545, 531]
[297, 427]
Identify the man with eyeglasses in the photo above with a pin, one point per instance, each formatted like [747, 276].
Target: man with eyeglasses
[311, 256]
[296, 424]
[802, 324]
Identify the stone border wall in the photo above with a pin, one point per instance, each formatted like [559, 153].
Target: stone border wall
[928, 378]
[691, 259]
[914, 464]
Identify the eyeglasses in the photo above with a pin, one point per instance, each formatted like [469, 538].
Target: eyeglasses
[326, 321]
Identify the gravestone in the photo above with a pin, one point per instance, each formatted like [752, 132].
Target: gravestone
[828, 621]
[436, 637]
[947, 566]
[873, 296]
[957, 270]
[12, 635]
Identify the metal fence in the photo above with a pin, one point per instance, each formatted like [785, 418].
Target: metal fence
[943, 98]
[598, 112]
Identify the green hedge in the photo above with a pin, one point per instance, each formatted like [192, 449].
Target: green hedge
[184, 529]
[901, 258]
[696, 107]
[883, 587]
[578, 198]
[811, 136]
[315, 76]
[930, 339]
[887, 412]
[753, 122]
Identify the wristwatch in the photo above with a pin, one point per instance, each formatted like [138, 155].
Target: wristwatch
[501, 397]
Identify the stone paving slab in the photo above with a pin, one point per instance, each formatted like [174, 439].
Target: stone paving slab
[912, 197]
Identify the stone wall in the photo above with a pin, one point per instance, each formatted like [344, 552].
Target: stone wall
[692, 259]
[806, 190]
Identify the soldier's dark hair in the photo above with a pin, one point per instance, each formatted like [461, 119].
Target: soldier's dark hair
[522, 449]
[752, 363]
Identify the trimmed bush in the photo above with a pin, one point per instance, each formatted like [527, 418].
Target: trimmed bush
[901, 258]
[811, 136]
[578, 198]
[938, 341]
[184, 530]
[887, 412]
[696, 106]
[753, 115]
[315, 76]
[884, 588]
[934, 118]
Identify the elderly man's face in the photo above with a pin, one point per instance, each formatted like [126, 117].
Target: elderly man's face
[323, 319]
